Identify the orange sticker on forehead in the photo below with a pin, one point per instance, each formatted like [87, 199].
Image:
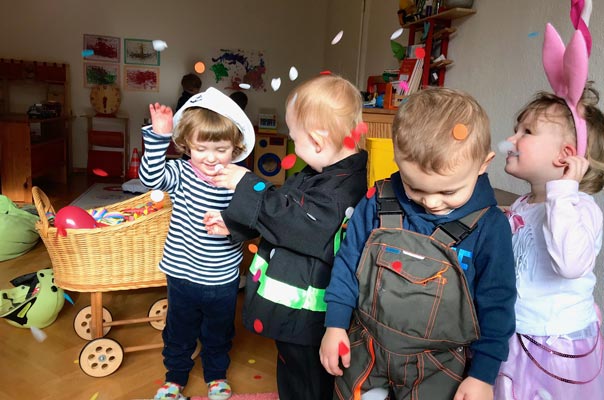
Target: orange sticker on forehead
[460, 132]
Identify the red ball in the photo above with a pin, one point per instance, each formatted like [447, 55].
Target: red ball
[73, 217]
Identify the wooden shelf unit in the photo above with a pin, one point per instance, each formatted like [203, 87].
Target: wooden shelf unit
[438, 23]
[33, 147]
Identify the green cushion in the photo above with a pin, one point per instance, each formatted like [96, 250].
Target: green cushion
[17, 230]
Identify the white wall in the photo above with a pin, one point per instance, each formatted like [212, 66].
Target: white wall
[290, 32]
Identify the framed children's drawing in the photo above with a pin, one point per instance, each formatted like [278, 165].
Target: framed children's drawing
[101, 48]
[141, 79]
[140, 51]
[101, 74]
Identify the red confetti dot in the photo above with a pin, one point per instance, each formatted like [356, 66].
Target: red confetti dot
[326, 72]
[288, 161]
[420, 53]
[349, 142]
[258, 327]
[370, 193]
[99, 172]
[256, 276]
[397, 266]
[343, 349]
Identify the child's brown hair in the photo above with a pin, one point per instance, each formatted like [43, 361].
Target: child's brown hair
[200, 124]
[422, 131]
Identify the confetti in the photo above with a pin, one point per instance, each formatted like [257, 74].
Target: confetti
[157, 195]
[370, 192]
[276, 83]
[100, 172]
[349, 211]
[245, 86]
[38, 334]
[159, 45]
[258, 327]
[337, 37]
[420, 53]
[252, 248]
[288, 161]
[349, 142]
[68, 298]
[293, 74]
[200, 67]
[87, 53]
[460, 132]
[259, 187]
[397, 266]
[257, 276]
[343, 349]
[396, 34]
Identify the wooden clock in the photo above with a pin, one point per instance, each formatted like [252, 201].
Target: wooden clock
[105, 99]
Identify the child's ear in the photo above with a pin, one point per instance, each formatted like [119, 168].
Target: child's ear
[566, 151]
[486, 162]
[318, 140]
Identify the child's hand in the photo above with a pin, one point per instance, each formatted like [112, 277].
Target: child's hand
[215, 224]
[576, 167]
[474, 389]
[161, 118]
[330, 350]
[229, 176]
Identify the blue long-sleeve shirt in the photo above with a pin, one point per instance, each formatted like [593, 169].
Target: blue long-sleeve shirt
[486, 256]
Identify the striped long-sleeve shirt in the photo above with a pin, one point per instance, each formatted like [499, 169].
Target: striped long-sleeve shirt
[189, 252]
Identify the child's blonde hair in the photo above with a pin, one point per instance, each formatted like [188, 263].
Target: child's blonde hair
[327, 103]
[422, 131]
[550, 106]
[200, 125]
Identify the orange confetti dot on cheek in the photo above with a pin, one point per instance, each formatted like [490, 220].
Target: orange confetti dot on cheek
[460, 132]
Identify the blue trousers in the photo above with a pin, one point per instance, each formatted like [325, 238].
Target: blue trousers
[199, 312]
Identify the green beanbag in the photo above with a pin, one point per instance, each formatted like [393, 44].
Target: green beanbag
[17, 230]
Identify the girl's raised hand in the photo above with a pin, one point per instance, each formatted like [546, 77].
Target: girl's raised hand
[161, 118]
[576, 167]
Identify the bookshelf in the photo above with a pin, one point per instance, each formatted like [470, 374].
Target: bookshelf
[439, 30]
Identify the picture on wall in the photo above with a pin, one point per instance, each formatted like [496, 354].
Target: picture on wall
[141, 79]
[101, 74]
[234, 66]
[101, 48]
[141, 52]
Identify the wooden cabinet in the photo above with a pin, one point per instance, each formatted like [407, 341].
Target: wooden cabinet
[439, 30]
[33, 147]
[30, 149]
[108, 145]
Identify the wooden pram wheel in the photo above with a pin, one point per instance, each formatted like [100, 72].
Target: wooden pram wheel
[159, 309]
[101, 357]
[81, 322]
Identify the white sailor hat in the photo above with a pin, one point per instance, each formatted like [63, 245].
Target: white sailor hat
[213, 99]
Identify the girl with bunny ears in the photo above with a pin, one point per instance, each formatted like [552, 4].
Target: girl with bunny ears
[558, 148]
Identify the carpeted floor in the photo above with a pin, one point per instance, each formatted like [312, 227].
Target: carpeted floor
[101, 194]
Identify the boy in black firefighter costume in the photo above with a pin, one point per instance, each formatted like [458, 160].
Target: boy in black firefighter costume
[288, 276]
[426, 267]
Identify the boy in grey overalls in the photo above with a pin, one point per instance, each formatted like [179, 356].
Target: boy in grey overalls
[425, 275]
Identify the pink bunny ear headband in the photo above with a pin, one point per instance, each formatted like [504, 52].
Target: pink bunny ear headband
[566, 68]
